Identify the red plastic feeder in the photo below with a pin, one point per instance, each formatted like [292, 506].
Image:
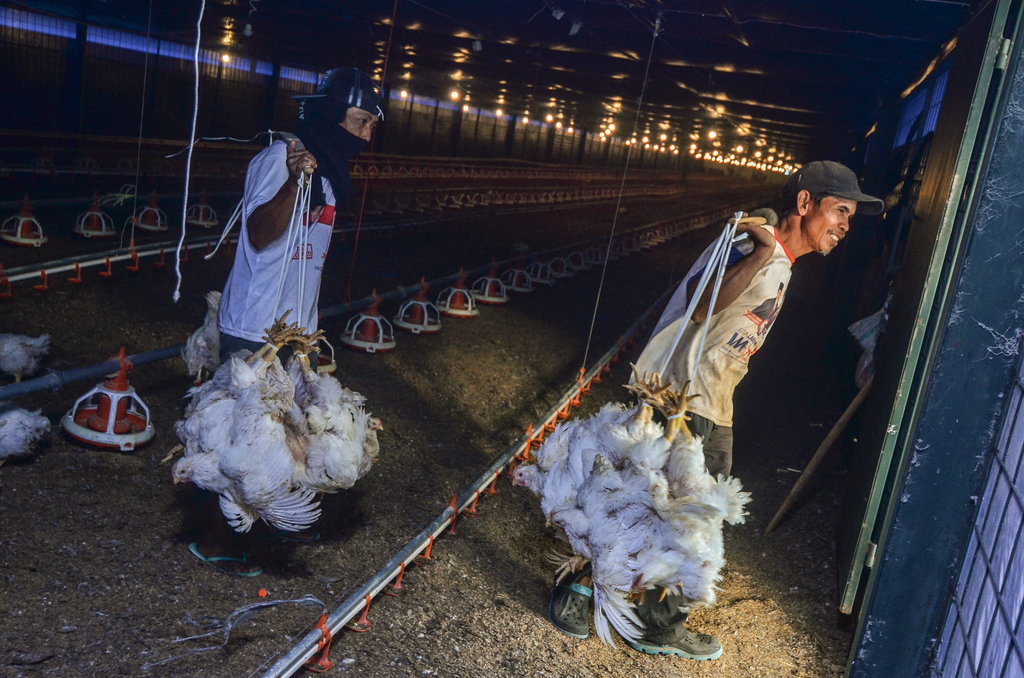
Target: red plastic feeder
[201, 214]
[490, 290]
[419, 315]
[23, 229]
[560, 268]
[577, 261]
[456, 301]
[111, 415]
[517, 280]
[369, 331]
[94, 222]
[150, 217]
[540, 273]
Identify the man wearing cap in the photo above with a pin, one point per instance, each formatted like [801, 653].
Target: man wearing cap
[334, 124]
[818, 203]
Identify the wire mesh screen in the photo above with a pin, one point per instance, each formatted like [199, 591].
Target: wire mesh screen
[982, 633]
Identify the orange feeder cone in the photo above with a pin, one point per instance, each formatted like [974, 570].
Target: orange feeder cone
[150, 217]
[368, 331]
[111, 415]
[94, 222]
[540, 273]
[456, 301]
[490, 290]
[201, 214]
[23, 229]
[418, 315]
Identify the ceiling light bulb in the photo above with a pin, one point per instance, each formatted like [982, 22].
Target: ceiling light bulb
[712, 134]
[498, 112]
[454, 94]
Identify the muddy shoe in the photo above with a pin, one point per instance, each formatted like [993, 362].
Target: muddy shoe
[686, 644]
[569, 606]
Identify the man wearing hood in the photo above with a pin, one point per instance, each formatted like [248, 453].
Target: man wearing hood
[272, 273]
[334, 125]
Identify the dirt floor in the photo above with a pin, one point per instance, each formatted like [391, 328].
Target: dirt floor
[98, 580]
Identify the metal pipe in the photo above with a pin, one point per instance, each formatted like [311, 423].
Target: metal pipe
[56, 380]
[305, 648]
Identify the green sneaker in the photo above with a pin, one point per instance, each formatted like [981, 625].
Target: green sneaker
[687, 644]
[569, 606]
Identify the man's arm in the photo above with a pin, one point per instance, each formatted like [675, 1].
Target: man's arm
[268, 221]
[738, 276]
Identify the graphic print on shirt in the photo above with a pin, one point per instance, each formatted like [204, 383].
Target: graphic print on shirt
[746, 341]
[767, 311]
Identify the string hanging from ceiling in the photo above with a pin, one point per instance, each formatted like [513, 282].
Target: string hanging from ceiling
[622, 186]
[188, 158]
[366, 179]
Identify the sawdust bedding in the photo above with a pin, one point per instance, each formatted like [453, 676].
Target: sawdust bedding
[98, 580]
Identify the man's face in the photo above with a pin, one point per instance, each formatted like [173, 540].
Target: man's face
[825, 224]
[360, 123]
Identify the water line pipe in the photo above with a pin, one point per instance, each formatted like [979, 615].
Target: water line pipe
[300, 652]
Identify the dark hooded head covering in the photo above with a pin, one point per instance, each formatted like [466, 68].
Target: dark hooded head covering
[318, 126]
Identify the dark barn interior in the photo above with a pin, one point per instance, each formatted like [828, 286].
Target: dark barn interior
[607, 143]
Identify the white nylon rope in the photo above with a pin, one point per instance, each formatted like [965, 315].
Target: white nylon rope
[188, 161]
[715, 266]
[294, 233]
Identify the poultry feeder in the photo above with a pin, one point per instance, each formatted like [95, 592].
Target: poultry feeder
[517, 280]
[577, 261]
[23, 228]
[369, 331]
[490, 290]
[150, 217]
[111, 415]
[326, 364]
[201, 214]
[456, 301]
[595, 255]
[616, 252]
[540, 273]
[94, 222]
[419, 315]
[560, 268]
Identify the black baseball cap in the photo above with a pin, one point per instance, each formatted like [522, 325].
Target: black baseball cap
[343, 88]
[833, 178]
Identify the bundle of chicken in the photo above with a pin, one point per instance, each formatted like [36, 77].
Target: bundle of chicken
[339, 436]
[634, 499]
[21, 355]
[267, 439]
[242, 439]
[201, 352]
[20, 430]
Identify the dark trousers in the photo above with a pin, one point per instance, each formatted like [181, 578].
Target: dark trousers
[230, 343]
[717, 444]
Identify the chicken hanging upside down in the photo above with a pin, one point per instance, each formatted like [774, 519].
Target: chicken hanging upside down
[635, 499]
[267, 439]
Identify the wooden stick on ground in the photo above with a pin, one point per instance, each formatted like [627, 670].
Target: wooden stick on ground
[819, 454]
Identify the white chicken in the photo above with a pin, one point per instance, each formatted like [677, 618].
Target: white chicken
[241, 437]
[340, 436]
[21, 355]
[268, 439]
[635, 500]
[201, 352]
[20, 430]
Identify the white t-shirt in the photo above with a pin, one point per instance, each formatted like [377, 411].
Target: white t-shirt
[255, 294]
[735, 333]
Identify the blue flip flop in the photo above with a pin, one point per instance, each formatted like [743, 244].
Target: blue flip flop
[213, 561]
